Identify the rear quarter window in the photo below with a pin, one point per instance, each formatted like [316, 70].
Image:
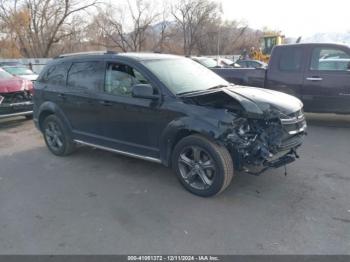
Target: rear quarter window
[55, 74]
[290, 59]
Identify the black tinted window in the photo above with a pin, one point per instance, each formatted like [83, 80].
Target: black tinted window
[86, 75]
[120, 79]
[290, 60]
[55, 74]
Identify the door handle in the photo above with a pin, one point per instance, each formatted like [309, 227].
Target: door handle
[105, 103]
[314, 78]
[344, 94]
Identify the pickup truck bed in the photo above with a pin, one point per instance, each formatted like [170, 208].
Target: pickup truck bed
[243, 76]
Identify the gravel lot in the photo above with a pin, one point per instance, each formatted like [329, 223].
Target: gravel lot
[96, 202]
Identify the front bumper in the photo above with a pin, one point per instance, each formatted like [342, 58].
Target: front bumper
[273, 144]
[16, 109]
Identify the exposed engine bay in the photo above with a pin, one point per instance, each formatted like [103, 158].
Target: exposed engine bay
[257, 142]
[260, 144]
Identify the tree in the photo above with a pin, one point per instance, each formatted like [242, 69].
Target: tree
[125, 27]
[37, 25]
[191, 17]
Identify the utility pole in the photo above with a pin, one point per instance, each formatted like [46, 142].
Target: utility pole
[218, 46]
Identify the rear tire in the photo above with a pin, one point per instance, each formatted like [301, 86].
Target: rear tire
[57, 137]
[204, 168]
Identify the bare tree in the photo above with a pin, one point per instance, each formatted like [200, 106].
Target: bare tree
[39, 24]
[125, 27]
[43, 28]
[192, 16]
[142, 17]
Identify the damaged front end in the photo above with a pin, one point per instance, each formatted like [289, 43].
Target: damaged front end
[260, 144]
[266, 130]
[16, 104]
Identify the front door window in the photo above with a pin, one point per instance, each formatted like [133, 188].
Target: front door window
[120, 79]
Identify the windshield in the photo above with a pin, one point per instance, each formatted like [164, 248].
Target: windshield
[5, 75]
[182, 75]
[19, 70]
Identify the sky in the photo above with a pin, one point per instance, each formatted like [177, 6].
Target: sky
[293, 17]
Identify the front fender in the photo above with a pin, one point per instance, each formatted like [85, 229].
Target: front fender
[184, 126]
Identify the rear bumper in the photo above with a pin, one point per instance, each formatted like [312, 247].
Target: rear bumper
[16, 109]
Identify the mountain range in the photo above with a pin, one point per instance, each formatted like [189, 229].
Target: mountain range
[340, 38]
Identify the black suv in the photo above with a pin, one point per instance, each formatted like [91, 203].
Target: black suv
[167, 109]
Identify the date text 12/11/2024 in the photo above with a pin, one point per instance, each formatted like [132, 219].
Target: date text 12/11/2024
[173, 258]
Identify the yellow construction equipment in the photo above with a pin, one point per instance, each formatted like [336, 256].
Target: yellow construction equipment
[268, 41]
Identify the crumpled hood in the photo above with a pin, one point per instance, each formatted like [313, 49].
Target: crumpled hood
[255, 102]
[264, 99]
[14, 85]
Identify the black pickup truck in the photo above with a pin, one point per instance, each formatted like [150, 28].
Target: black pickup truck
[318, 74]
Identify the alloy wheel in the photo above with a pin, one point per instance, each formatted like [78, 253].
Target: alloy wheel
[197, 167]
[54, 136]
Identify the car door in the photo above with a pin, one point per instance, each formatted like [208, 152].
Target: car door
[84, 80]
[285, 72]
[326, 85]
[129, 124]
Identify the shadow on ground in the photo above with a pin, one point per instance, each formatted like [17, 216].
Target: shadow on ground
[328, 120]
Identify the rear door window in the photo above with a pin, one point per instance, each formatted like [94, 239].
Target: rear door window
[86, 75]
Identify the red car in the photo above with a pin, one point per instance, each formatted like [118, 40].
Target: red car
[15, 96]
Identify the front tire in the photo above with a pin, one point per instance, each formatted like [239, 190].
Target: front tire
[57, 137]
[203, 167]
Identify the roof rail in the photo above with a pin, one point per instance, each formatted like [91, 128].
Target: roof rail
[106, 52]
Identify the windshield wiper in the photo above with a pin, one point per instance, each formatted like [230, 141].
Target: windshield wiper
[202, 90]
[189, 92]
[217, 86]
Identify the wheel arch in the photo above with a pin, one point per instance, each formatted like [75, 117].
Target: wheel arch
[181, 128]
[50, 108]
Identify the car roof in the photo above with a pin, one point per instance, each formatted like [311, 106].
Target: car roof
[148, 56]
[129, 55]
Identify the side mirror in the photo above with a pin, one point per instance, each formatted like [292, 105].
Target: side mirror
[143, 91]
